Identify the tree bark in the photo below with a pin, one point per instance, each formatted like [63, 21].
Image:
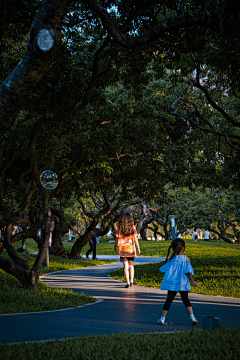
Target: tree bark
[89, 233]
[143, 216]
[143, 233]
[24, 264]
[60, 226]
[221, 235]
[79, 244]
[27, 278]
[45, 39]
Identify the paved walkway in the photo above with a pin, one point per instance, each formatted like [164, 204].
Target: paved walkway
[119, 310]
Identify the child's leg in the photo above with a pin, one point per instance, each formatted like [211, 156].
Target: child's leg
[170, 297]
[131, 271]
[164, 313]
[126, 268]
[190, 310]
[184, 296]
[185, 300]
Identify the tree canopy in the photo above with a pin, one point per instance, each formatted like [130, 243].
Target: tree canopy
[172, 27]
[115, 97]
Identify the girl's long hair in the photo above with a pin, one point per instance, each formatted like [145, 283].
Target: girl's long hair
[176, 246]
[125, 225]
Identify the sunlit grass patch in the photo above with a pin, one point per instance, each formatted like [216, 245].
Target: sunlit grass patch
[216, 266]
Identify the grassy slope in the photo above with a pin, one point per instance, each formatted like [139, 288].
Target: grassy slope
[15, 299]
[216, 266]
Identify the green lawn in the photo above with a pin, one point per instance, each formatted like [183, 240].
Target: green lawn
[216, 266]
[191, 345]
[15, 299]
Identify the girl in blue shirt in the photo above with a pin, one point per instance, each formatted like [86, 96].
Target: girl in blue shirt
[178, 275]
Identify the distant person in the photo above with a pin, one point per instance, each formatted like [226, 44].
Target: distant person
[50, 240]
[206, 235]
[236, 240]
[126, 238]
[93, 248]
[195, 235]
[70, 236]
[178, 275]
[179, 236]
[52, 226]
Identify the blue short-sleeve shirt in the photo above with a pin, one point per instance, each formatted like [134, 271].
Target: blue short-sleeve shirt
[175, 278]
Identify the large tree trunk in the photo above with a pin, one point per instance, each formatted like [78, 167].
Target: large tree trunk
[28, 279]
[222, 235]
[79, 244]
[89, 233]
[143, 233]
[166, 231]
[57, 247]
[19, 267]
[143, 217]
[57, 234]
[24, 264]
[60, 228]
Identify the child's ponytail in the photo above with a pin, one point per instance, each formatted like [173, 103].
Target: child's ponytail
[176, 245]
[168, 253]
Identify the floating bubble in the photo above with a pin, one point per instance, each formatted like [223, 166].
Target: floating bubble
[49, 179]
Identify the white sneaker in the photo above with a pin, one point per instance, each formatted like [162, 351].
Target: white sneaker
[194, 320]
[161, 322]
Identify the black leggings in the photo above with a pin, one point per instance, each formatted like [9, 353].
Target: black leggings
[171, 295]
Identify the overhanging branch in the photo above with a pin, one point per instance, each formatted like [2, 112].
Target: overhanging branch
[45, 39]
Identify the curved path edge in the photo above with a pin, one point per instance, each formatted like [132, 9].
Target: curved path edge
[132, 310]
[48, 311]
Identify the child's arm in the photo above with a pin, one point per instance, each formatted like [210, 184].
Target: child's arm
[194, 284]
[116, 244]
[137, 244]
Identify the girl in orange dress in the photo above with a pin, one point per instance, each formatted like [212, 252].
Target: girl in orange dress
[126, 238]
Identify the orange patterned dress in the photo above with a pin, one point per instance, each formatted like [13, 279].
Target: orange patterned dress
[126, 244]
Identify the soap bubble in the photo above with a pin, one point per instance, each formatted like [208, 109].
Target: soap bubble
[49, 179]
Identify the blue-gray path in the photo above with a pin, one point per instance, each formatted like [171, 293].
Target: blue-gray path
[132, 310]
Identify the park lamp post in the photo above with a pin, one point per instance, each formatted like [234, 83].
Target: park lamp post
[173, 226]
[49, 180]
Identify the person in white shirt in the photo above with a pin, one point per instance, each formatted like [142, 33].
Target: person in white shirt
[195, 235]
[206, 235]
[179, 236]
